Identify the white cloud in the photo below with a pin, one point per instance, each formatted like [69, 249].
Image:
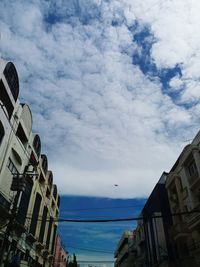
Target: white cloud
[101, 120]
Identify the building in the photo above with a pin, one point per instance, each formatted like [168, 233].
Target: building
[123, 252]
[151, 244]
[29, 201]
[60, 255]
[137, 247]
[157, 221]
[183, 187]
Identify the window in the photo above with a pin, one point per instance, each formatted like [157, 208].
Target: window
[43, 224]
[55, 191]
[192, 168]
[21, 135]
[49, 232]
[5, 99]
[24, 203]
[50, 179]
[2, 132]
[12, 79]
[44, 163]
[35, 214]
[12, 167]
[37, 145]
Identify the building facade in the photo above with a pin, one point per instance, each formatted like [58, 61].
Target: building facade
[183, 186]
[29, 201]
[123, 253]
[60, 255]
[137, 247]
[157, 221]
[168, 232]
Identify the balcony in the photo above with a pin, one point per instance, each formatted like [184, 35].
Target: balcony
[193, 218]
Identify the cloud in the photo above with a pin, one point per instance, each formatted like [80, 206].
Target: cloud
[113, 87]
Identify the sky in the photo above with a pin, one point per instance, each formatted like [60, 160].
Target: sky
[113, 87]
[96, 241]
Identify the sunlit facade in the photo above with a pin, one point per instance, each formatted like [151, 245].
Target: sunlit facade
[60, 255]
[29, 200]
[183, 186]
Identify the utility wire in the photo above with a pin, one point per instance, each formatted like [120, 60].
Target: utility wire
[128, 219]
[121, 219]
[98, 261]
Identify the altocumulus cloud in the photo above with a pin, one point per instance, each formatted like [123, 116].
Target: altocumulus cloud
[113, 86]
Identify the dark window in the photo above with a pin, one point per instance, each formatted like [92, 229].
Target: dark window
[37, 144]
[44, 163]
[12, 79]
[41, 179]
[58, 201]
[4, 203]
[55, 191]
[54, 237]
[2, 132]
[192, 168]
[23, 206]
[49, 232]
[21, 135]
[12, 167]
[36, 210]
[5, 99]
[48, 193]
[42, 228]
[50, 179]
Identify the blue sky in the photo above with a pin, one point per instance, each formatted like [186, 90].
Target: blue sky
[113, 86]
[96, 241]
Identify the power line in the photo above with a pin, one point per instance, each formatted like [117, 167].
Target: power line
[100, 221]
[95, 261]
[119, 219]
